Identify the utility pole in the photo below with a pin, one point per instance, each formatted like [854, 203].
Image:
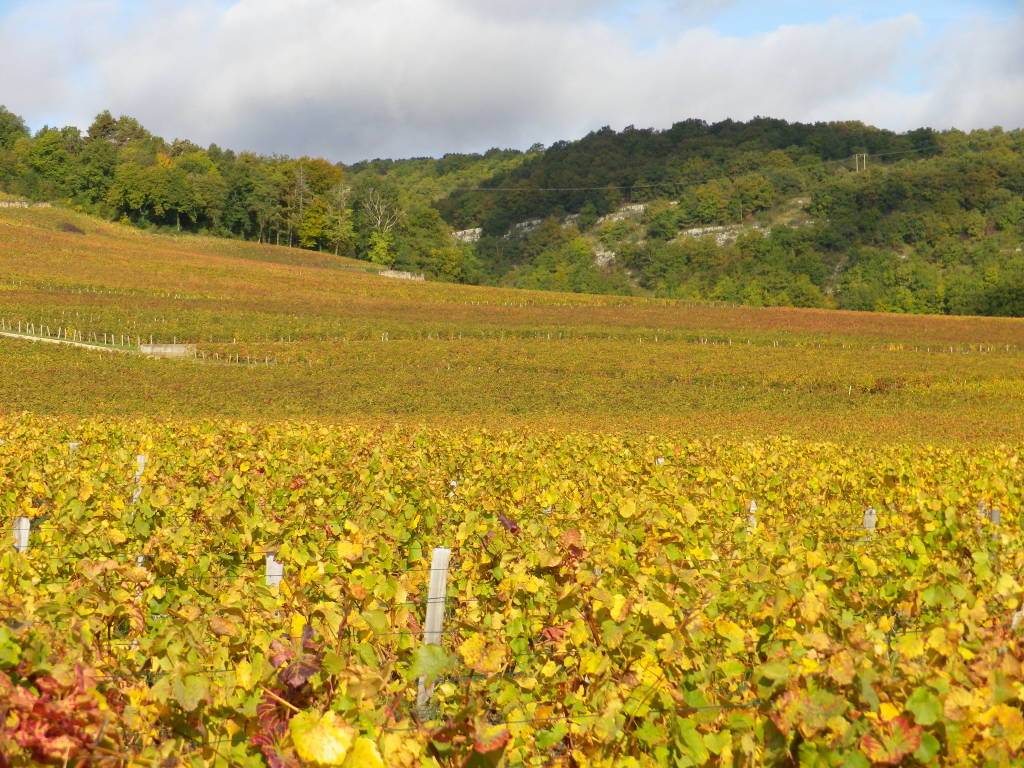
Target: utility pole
[860, 162]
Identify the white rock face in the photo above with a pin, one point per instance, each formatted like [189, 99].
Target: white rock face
[603, 257]
[523, 228]
[469, 235]
[625, 212]
[724, 234]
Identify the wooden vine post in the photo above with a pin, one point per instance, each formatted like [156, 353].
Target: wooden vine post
[870, 520]
[22, 527]
[140, 463]
[274, 572]
[433, 626]
[752, 518]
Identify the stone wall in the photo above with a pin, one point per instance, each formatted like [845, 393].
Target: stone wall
[402, 275]
[168, 350]
[23, 204]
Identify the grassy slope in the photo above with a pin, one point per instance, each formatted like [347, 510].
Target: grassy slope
[468, 356]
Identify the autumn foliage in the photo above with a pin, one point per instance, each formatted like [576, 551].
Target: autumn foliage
[610, 602]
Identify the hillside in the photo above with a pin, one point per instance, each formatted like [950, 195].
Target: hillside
[831, 215]
[337, 343]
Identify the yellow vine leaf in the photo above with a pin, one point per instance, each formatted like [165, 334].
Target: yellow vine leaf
[841, 668]
[364, 754]
[1010, 722]
[662, 614]
[811, 607]
[322, 739]
[887, 711]
[618, 608]
[690, 513]
[480, 656]
[730, 630]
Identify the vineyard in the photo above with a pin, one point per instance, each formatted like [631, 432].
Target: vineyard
[336, 344]
[252, 595]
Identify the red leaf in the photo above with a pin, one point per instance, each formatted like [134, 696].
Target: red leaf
[492, 740]
[299, 671]
[894, 740]
[272, 720]
[281, 652]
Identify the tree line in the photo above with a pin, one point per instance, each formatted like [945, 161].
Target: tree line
[837, 215]
[118, 170]
[828, 214]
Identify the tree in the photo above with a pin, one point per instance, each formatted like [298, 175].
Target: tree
[382, 211]
[120, 131]
[103, 127]
[378, 212]
[12, 128]
[312, 226]
[339, 228]
[381, 250]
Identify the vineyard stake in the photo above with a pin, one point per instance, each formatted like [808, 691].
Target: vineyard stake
[436, 595]
[274, 570]
[752, 518]
[995, 517]
[140, 462]
[870, 519]
[22, 526]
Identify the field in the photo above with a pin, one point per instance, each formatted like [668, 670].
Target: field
[613, 598]
[350, 346]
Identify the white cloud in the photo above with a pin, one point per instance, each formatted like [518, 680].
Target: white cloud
[530, 8]
[350, 79]
[979, 76]
[42, 46]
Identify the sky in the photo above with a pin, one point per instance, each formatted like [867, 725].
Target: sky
[358, 79]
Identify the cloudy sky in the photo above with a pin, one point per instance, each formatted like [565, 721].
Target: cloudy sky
[354, 79]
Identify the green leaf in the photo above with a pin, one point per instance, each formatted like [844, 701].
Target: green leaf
[547, 739]
[716, 742]
[924, 705]
[930, 747]
[378, 621]
[1003, 688]
[190, 691]
[10, 653]
[855, 760]
[776, 671]
[366, 654]
[692, 743]
[334, 664]
[732, 668]
[867, 691]
[430, 661]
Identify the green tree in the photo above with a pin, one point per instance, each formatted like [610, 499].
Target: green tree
[12, 128]
[381, 250]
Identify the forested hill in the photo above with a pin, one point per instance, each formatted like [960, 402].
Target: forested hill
[607, 169]
[762, 212]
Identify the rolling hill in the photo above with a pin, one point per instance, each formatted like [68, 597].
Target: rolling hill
[336, 342]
